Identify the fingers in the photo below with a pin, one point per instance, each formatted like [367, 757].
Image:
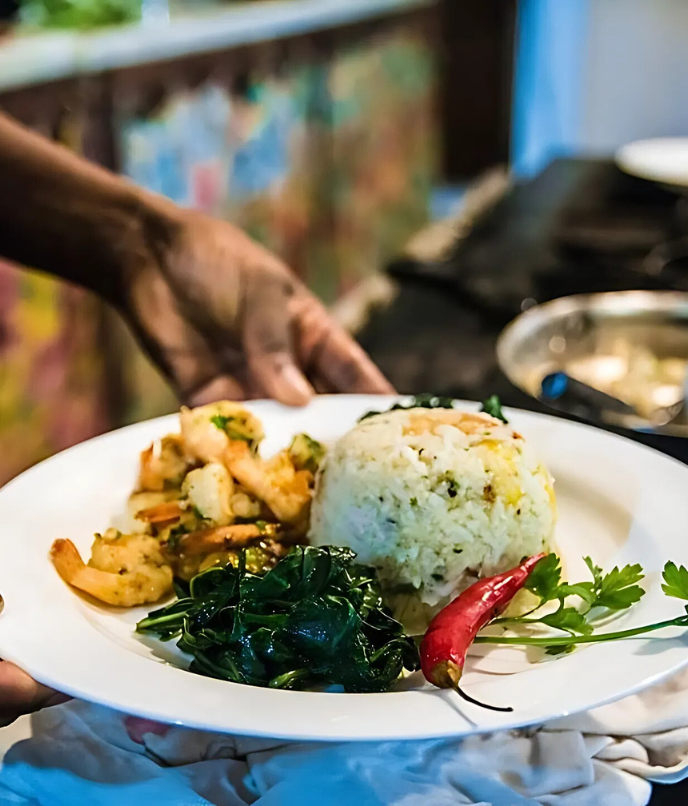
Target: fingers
[268, 342]
[20, 694]
[224, 387]
[332, 354]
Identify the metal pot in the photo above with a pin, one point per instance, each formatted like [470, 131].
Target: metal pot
[632, 345]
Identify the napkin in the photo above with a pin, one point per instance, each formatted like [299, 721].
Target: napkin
[86, 754]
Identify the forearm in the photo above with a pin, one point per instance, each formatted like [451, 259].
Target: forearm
[63, 215]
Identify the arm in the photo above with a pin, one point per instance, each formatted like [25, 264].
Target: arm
[220, 315]
[66, 216]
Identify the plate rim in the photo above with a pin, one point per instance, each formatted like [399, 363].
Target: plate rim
[630, 166]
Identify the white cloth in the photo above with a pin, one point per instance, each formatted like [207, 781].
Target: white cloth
[85, 754]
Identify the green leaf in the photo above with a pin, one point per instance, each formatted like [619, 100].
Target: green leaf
[306, 453]
[585, 590]
[618, 589]
[568, 619]
[220, 421]
[595, 570]
[424, 401]
[493, 407]
[675, 581]
[544, 579]
[560, 650]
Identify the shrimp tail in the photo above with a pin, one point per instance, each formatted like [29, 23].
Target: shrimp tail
[66, 559]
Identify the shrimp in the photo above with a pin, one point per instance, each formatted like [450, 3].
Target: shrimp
[124, 570]
[224, 538]
[286, 491]
[208, 430]
[163, 464]
[145, 501]
[209, 489]
[163, 514]
[468, 422]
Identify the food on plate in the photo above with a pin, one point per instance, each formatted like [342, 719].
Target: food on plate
[408, 509]
[202, 497]
[493, 406]
[286, 490]
[433, 499]
[124, 570]
[452, 631]
[315, 619]
[207, 431]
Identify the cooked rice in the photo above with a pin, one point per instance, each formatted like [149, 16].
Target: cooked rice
[433, 499]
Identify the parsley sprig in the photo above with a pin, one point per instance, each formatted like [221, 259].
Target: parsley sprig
[581, 606]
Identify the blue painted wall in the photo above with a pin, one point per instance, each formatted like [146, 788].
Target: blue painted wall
[549, 81]
[592, 75]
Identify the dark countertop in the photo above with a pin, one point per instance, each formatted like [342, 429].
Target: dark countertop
[581, 226]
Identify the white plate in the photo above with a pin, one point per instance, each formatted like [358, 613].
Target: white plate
[619, 502]
[663, 160]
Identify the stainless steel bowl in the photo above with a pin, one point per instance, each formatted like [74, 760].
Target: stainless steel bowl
[626, 343]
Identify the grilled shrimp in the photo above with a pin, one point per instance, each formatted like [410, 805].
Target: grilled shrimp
[225, 538]
[124, 570]
[161, 515]
[285, 490]
[163, 464]
[208, 430]
[146, 502]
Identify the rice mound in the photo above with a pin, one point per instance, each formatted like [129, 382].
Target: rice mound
[433, 499]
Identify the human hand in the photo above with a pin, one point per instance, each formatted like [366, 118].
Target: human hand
[19, 694]
[224, 318]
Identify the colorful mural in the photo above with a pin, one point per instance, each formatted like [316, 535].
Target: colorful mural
[53, 387]
[52, 380]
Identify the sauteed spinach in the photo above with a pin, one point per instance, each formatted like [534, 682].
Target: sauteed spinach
[315, 619]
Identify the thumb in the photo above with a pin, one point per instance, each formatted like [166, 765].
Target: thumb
[268, 343]
[19, 694]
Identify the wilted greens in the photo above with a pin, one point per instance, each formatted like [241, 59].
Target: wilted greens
[315, 619]
[493, 407]
[424, 401]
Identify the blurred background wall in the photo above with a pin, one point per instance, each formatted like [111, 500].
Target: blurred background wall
[332, 133]
[592, 75]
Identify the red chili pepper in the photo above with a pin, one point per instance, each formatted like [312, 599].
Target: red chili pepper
[450, 634]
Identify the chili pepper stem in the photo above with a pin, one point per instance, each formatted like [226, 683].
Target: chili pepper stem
[447, 675]
[504, 709]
